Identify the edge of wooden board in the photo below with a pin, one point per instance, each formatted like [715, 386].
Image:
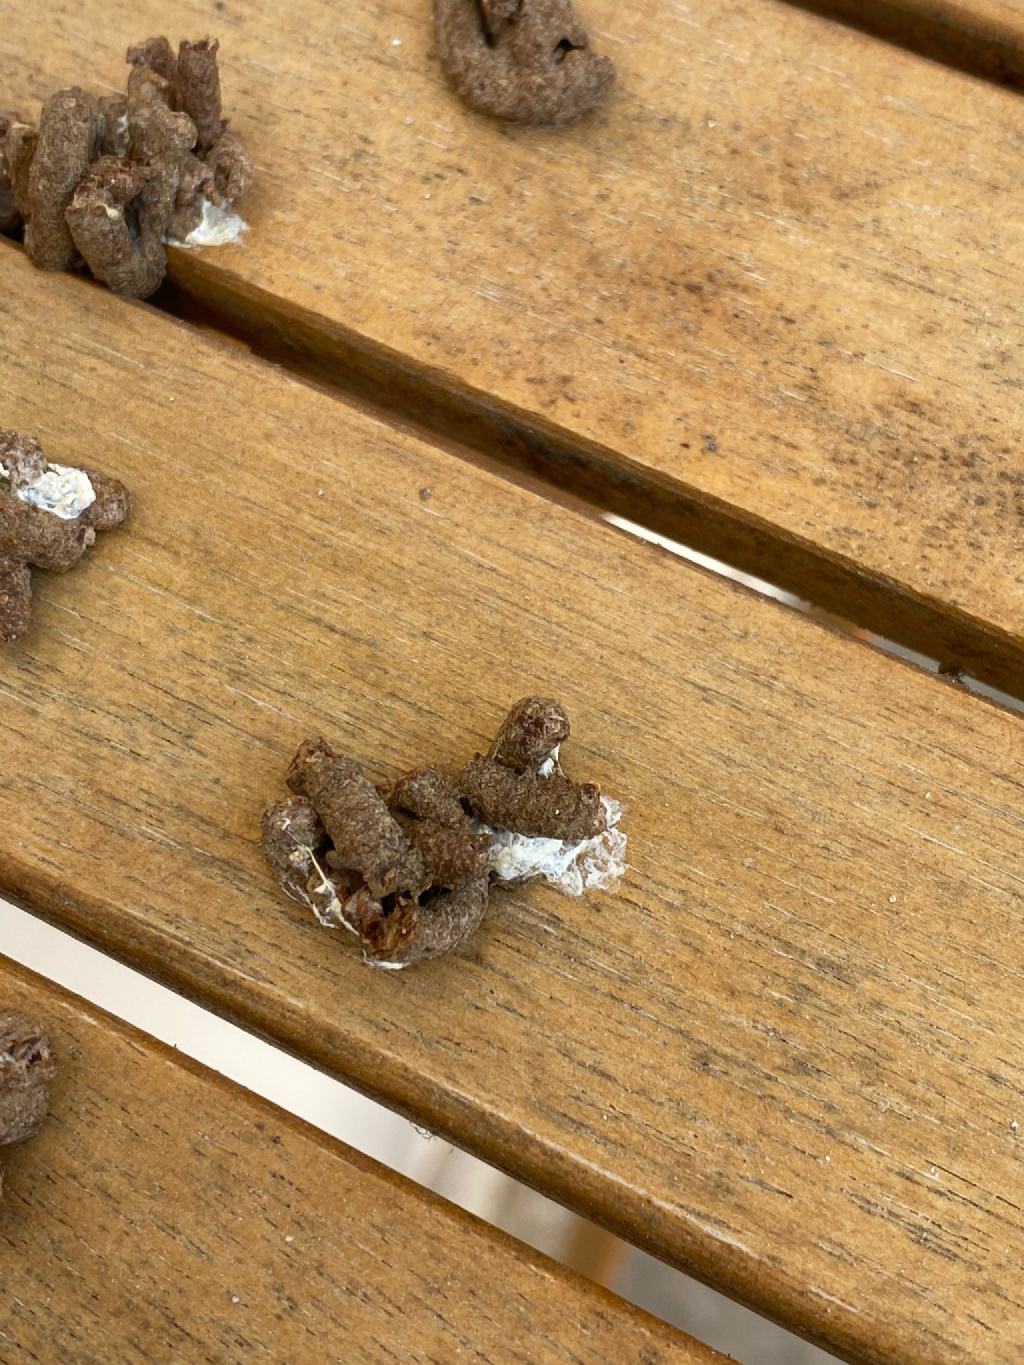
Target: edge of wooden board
[77, 1100]
[973, 37]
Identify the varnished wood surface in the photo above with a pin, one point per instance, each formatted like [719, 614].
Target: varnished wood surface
[786, 1056]
[165, 1215]
[769, 300]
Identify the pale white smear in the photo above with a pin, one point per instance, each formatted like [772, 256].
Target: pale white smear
[220, 225]
[596, 864]
[550, 764]
[64, 491]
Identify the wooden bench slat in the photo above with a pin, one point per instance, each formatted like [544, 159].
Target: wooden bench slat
[982, 36]
[785, 1056]
[767, 302]
[163, 1213]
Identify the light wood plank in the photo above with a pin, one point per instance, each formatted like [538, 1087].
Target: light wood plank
[164, 1214]
[785, 1056]
[768, 302]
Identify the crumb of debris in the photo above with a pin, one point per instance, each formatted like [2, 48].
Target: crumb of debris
[27, 1066]
[49, 516]
[106, 183]
[525, 61]
[408, 870]
[425, 494]
[952, 672]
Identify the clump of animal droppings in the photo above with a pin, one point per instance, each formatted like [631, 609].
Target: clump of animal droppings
[408, 869]
[524, 61]
[106, 183]
[49, 516]
[408, 885]
[27, 1066]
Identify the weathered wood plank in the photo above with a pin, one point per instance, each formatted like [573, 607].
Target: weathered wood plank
[767, 302]
[165, 1214]
[786, 1056]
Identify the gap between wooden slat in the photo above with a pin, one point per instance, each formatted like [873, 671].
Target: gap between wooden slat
[378, 1132]
[480, 429]
[560, 467]
[966, 37]
[840, 625]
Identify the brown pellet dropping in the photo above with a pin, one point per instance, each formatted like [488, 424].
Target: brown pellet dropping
[416, 930]
[104, 217]
[530, 733]
[525, 61]
[429, 794]
[10, 213]
[27, 1066]
[49, 516]
[539, 807]
[451, 857]
[108, 182]
[365, 835]
[198, 84]
[68, 140]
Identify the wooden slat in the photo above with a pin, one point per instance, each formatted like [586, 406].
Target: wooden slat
[164, 1214]
[768, 302]
[785, 1056]
[985, 37]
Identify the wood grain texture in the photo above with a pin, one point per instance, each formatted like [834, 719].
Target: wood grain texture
[769, 301]
[164, 1214]
[985, 37]
[786, 1056]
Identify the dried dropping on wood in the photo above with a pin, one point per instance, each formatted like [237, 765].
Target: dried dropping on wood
[10, 213]
[408, 883]
[409, 873]
[67, 141]
[532, 733]
[526, 61]
[408, 932]
[365, 837]
[27, 1066]
[539, 807]
[429, 794]
[108, 182]
[49, 516]
[520, 785]
[542, 825]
